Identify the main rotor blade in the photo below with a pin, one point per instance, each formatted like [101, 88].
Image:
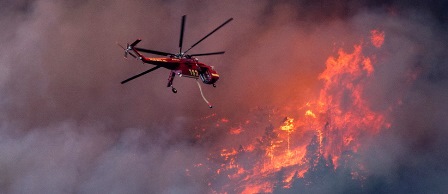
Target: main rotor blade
[138, 75]
[136, 42]
[204, 54]
[210, 34]
[182, 27]
[131, 54]
[153, 51]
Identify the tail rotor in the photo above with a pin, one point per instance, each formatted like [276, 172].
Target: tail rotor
[129, 48]
[126, 50]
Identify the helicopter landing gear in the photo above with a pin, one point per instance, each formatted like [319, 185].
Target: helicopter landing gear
[170, 81]
[214, 85]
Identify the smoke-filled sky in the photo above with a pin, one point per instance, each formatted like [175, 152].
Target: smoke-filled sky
[67, 125]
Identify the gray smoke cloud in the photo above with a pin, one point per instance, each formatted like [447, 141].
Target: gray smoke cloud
[69, 126]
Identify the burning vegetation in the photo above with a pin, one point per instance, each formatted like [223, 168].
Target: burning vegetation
[303, 145]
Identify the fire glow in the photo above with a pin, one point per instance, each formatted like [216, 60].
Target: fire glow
[297, 137]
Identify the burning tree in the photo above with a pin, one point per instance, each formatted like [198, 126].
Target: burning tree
[309, 147]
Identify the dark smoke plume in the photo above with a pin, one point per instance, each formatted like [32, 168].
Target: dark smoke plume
[67, 125]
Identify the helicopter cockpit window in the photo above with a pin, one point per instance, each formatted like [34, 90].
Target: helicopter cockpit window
[206, 76]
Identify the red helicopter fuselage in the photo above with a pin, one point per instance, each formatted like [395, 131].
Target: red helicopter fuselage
[185, 67]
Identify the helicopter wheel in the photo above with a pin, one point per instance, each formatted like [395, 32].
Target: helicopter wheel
[174, 90]
[214, 85]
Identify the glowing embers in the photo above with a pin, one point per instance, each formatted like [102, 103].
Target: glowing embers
[235, 130]
[288, 125]
[310, 114]
[250, 167]
[377, 38]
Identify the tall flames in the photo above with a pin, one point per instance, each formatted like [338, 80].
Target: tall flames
[297, 138]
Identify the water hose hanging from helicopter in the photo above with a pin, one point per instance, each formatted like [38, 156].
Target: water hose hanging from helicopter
[202, 94]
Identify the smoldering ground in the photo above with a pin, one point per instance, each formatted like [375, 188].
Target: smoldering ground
[68, 126]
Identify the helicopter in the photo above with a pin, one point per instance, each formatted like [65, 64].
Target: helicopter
[180, 64]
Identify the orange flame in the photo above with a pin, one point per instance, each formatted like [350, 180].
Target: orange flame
[235, 131]
[335, 120]
[377, 38]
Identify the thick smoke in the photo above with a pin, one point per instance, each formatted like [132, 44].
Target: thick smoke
[68, 126]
